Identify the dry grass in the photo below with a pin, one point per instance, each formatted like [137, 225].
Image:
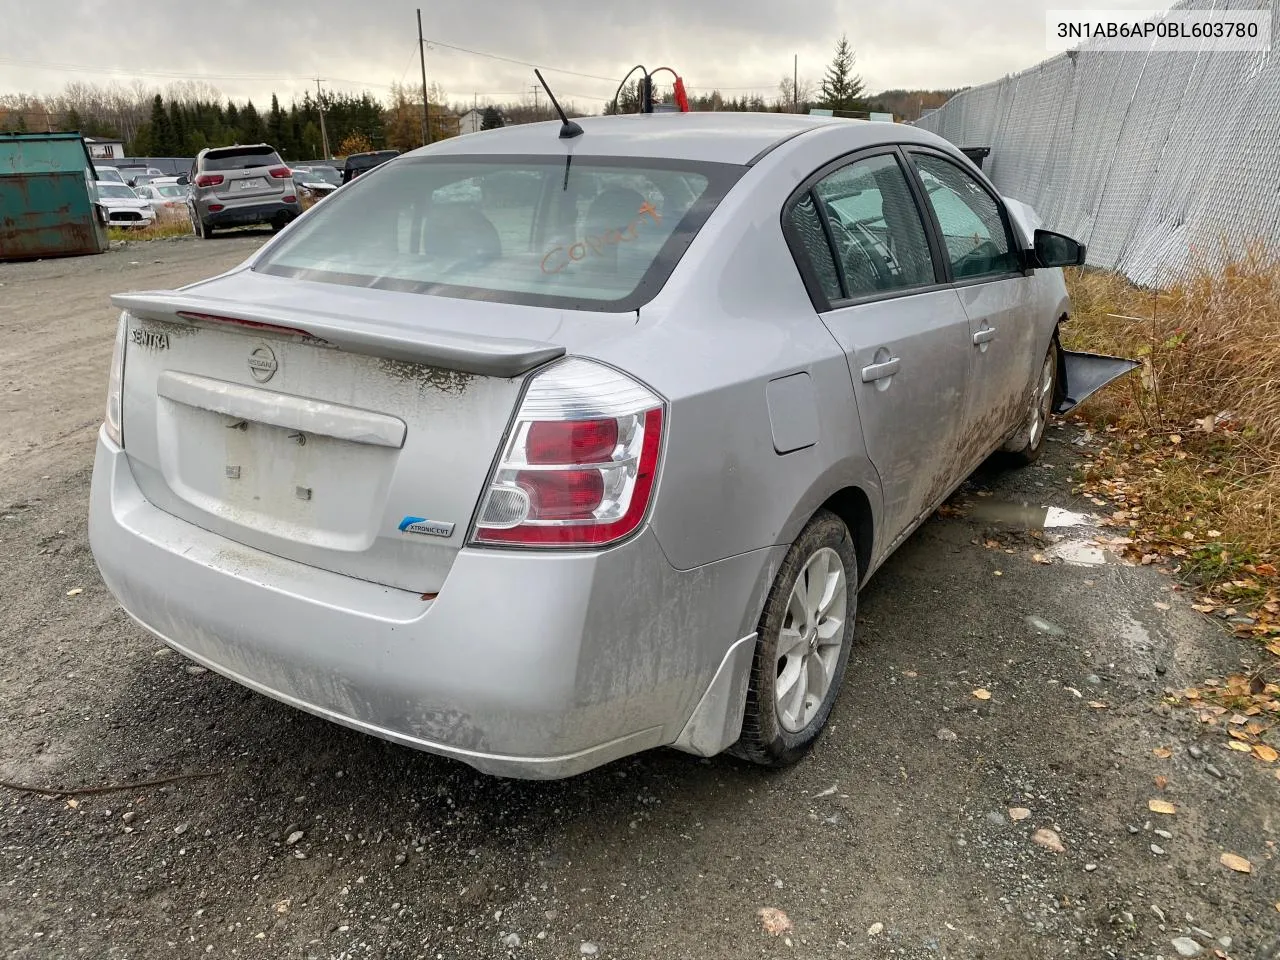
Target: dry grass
[1197, 434]
[156, 231]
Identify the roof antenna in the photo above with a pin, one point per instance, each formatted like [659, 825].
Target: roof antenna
[568, 129]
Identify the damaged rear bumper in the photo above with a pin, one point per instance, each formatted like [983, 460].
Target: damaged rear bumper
[524, 665]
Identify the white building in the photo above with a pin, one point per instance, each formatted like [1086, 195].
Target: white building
[102, 149]
[470, 121]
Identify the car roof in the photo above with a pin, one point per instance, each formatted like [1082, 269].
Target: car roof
[717, 137]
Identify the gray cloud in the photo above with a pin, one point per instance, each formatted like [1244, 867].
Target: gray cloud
[252, 47]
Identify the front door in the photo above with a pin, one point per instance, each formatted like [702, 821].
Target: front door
[984, 264]
[903, 330]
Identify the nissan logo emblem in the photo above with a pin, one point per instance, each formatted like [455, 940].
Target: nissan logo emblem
[263, 364]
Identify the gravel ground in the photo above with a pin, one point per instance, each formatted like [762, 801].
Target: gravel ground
[893, 839]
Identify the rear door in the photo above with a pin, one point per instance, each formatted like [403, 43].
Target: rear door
[874, 274]
[983, 262]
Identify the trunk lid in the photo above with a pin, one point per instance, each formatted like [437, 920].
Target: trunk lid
[349, 429]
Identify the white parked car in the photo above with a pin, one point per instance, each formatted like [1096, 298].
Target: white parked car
[123, 207]
[167, 200]
[108, 175]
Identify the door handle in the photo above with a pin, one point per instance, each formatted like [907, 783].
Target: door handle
[985, 335]
[878, 371]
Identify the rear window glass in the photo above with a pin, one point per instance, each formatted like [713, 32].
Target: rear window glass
[243, 159]
[117, 191]
[594, 234]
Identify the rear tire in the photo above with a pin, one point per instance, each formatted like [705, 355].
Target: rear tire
[1025, 447]
[802, 646]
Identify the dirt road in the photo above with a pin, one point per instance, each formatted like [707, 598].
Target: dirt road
[894, 839]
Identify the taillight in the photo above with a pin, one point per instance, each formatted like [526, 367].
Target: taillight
[208, 179]
[289, 198]
[579, 465]
[115, 385]
[281, 173]
[215, 207]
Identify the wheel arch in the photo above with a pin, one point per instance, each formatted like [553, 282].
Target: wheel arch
[852, 505]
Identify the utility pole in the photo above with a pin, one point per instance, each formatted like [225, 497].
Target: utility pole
[422, 60]
[324, 134]
[537, 110]
[795, 83]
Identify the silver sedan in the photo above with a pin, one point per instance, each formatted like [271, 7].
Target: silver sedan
[538, 450]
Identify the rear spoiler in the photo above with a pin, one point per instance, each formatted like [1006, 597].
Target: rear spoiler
[486, 356]
[1082, 374]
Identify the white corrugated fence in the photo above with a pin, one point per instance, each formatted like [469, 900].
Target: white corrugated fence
[1160, 161]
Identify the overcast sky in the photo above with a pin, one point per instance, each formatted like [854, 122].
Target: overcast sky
[248, 48]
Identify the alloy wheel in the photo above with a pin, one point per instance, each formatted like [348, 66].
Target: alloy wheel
[810, 640]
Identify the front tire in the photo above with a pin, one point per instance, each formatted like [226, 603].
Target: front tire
[802, 646]
[1027, 444]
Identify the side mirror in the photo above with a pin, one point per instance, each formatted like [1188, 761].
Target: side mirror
[1057, 250]
[183, 181]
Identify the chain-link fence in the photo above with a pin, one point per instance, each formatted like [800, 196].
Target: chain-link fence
[1158, 161]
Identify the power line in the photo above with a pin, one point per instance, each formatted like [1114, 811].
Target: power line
[173, 75]
[523, 63]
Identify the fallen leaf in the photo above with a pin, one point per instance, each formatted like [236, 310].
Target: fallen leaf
[1162, 806]
[1097, 704]
[1160, 605]
[774, 921]
[76, 592]
[1215, 534]
[1041, 558]
[1073, 691]
[982, 693]
[1175, 439]
[910, 673]
[998, 573]
[1204, 607]
[1239, 734]
[1164, 753]
[1161, 782]
[1265, 753]
[1240, 747]
[1237, 863]
[1021, 813]
[1049, 840]
[831, 791]
[1266, 569]
[73, 804]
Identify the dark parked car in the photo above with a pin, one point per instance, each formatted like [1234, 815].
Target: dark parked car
[359, 163]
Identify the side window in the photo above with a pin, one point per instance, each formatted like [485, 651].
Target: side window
[879, 238]
[808, 227]
[977, 241]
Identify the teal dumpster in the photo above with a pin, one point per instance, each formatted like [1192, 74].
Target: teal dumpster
[48, 201]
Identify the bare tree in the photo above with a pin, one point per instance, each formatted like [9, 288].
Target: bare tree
[793, 95]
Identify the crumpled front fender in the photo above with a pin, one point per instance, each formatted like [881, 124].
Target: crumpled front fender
[1082, 374]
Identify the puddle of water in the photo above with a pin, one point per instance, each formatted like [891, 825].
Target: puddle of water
[1044, 626]
[1136, 635]
[1079, 553]
[1027, 516]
